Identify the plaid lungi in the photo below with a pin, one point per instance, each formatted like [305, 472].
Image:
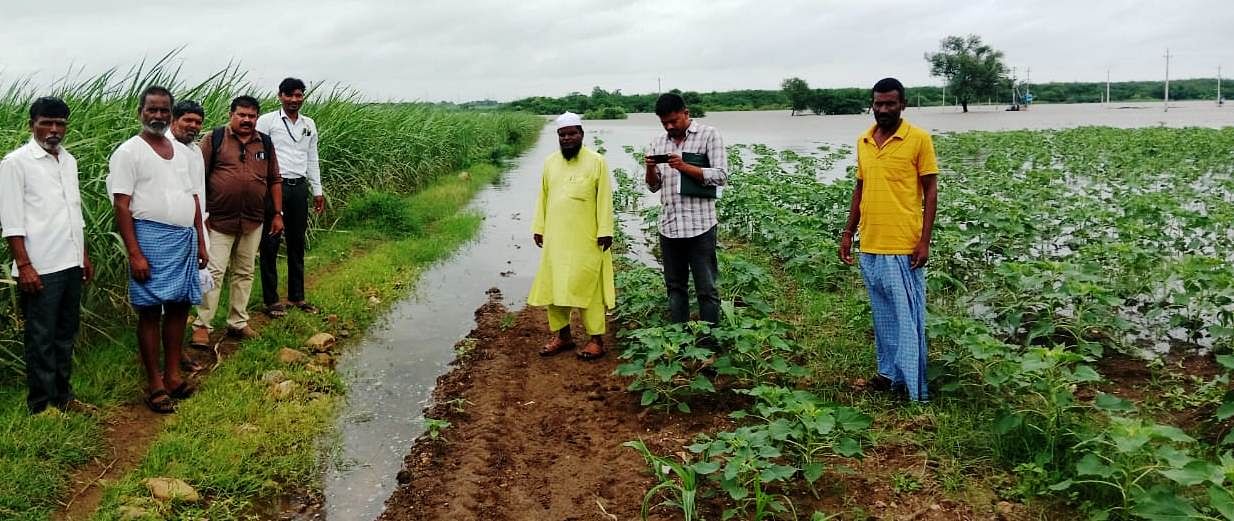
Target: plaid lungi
[897, 300]
[171, 252]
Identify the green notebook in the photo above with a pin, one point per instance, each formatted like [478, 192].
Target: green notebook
[691, 187]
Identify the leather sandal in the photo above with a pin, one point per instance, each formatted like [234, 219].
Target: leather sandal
[592, 351]
[557, 346]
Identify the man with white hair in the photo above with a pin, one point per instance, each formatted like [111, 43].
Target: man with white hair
[574, 226]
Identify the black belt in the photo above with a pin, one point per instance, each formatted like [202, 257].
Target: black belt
[293, 181]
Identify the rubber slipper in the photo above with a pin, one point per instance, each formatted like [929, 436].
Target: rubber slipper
[276, 311]
[160, 402]
[182, 391]
[307, 308]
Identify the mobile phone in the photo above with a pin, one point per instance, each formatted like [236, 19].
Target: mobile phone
[659, 158]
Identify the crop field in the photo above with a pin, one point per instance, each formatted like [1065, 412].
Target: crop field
[368, 147]
[1081, 322]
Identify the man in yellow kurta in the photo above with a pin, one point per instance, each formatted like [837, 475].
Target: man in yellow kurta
[574, 226]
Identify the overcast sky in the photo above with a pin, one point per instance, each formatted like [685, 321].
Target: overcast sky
[504, 49]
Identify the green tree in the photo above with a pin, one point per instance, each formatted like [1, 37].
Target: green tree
[798, 93]
[972, 69]
[819, 101]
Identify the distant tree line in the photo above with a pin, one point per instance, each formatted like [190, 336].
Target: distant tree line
[854, 100]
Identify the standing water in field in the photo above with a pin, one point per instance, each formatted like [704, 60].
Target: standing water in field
[391, 374]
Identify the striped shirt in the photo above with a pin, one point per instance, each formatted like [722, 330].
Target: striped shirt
[685, 216]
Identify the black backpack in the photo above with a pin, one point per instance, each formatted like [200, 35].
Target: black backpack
[216, 141]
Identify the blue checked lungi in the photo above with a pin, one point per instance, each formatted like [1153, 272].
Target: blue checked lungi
[897, 299]
[172, 254]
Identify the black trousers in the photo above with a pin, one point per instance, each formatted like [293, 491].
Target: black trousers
[295, 226]
[682, 257]
[52, 318]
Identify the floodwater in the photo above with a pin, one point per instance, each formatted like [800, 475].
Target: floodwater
[393, 371]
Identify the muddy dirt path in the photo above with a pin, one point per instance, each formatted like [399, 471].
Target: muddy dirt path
[535, 438]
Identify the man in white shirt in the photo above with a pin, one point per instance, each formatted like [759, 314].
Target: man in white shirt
[40, 214]
[295, 143]
[159, 215]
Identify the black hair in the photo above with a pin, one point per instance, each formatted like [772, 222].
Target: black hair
[49, 107]
[669, 103]
[245, 101]
[154, 90]
[887, 85]
[187, 106]
[289, 85]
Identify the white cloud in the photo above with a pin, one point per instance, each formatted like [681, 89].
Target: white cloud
[469, 49]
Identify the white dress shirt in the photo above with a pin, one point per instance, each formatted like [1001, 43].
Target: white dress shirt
[39, 201]
[161, 189]
[295, 145]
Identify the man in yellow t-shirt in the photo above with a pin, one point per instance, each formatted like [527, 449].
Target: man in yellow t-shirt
[894, 202]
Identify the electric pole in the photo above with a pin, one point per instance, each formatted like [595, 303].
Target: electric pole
[1167, 79]
[1028, 79]
[1107, 86]
[1219, 100]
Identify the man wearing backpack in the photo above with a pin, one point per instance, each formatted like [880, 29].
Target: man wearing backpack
[242, 176]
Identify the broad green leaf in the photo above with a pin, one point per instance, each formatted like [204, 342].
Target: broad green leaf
[701, 383]
[1091, 465]
[667, 372]
[1172, 433]
[812, 471]
[1162, 504]
[1222, 501]
[852, 419]
[848, 447]
[1109, 402]
[734, 490]
[649, 397]
[778, 472]
[1174, 457]
[683, 407]
[1008, 423]
[1193, 473]
[1226, 361]
[1084, 373]
[1062, 485]
[1128, 442]
[705, 467]
[1225, 411]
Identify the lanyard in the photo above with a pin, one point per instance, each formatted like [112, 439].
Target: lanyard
[288, 127]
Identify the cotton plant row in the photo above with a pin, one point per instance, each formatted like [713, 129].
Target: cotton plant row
[1024, 327]
[787, 438]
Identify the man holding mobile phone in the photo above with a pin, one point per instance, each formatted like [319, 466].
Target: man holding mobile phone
[686, 165]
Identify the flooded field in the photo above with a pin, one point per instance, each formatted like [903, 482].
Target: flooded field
[392, 373]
